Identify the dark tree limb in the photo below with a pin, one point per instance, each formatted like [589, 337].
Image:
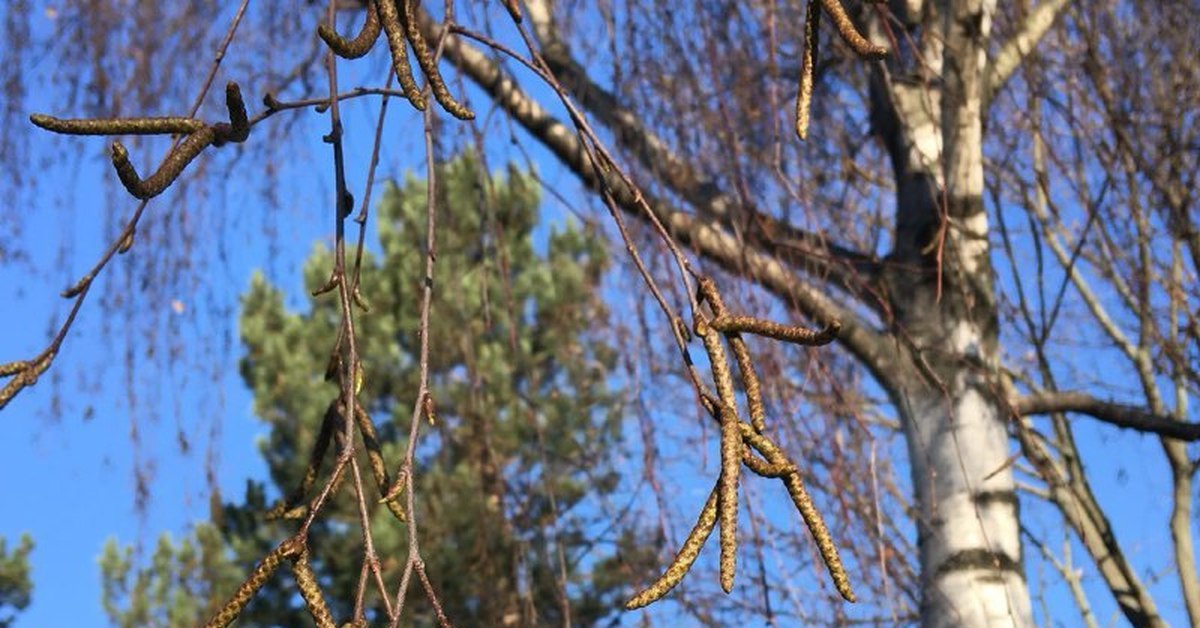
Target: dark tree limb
[1118, 414]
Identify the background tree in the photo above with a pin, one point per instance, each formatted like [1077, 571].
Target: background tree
[998, 212]
[183, 583]
[520, 357]
[16, 587]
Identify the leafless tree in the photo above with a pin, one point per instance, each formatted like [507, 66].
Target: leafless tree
[994, 217]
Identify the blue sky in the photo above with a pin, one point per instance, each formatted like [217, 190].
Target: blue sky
[66, 454]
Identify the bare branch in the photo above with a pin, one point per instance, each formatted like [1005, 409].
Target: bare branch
[1118, 414]
[706, 237]
[849, 268]
[1014, 51]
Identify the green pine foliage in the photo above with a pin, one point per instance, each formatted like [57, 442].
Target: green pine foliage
[528, 414]
[182, 583]
[16, 587]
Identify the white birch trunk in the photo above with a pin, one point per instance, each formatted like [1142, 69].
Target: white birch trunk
[967, 519]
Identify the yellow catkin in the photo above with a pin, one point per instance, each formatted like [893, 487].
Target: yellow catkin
[845, 28]
[170, 169]
[816, 525]
[245, 591]
[683, 560]
[378, 468]
[808, 511]
[718, 362]
[787, 333]
[808, 68]
[727, 506]
[390, 20]
[315, 458]
[425, 59]
[741, 354]
[314, 599]
[361, 44]
[12, 368]
[118, 126]
[762, 467]
[731, 454]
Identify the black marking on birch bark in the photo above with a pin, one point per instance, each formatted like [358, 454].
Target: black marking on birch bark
[985, 498]
[978, 558]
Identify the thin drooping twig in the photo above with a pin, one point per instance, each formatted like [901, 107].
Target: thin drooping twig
[25, 373]
[370, 557]
[775, 466]
[408, 472]
[600, 160]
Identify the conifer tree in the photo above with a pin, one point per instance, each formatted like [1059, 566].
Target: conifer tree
[527, 424]
[16, 588]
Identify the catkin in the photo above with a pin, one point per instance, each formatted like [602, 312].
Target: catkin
[683, 560]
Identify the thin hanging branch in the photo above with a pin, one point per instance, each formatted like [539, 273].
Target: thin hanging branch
[25, 373]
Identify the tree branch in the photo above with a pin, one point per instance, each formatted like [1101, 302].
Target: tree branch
[709, 239]
[851, 269]
[1118, 414]
[1014, 51]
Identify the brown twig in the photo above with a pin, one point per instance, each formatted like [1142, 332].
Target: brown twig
[415, 562]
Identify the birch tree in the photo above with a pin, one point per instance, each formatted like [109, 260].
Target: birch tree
[988, 204]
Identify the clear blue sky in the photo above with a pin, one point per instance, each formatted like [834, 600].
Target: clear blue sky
[67, 472]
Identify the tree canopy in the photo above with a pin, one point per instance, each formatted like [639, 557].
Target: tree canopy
[985, 210]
